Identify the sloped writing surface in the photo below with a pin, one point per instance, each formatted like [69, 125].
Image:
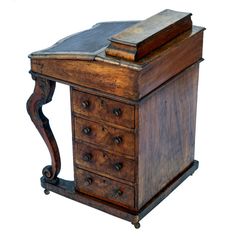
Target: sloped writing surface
[86, 44]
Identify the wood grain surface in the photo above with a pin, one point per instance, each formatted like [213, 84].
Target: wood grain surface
[133, 122]
[166, 136]
[112, 77]
[99, 160]
[142, 38]
[101, 108]
[105, 136]
[104, 188]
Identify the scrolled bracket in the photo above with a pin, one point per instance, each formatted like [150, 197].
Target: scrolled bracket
[42, 95]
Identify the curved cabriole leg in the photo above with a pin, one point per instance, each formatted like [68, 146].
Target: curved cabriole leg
[42, 94]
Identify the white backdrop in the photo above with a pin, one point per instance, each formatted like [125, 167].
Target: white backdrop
[203, 205]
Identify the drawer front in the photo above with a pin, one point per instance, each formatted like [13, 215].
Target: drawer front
[103, 109]
[104, 188]
[106, 136]
[99, 160]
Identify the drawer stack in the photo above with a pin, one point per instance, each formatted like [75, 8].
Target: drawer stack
[104, 147]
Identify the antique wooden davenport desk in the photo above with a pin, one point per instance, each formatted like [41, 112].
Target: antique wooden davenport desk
[133, 88]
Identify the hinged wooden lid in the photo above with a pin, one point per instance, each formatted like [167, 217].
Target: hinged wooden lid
[163, 46]
[140, 39]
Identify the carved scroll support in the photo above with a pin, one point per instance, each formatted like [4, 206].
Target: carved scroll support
[42, 95]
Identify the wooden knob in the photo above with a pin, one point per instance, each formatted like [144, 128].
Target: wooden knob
[88, 181]
[118, 166]
[86, 130]
[117, 140]
[87, 157]
[117, 193]
[85, 104]
[116, 111]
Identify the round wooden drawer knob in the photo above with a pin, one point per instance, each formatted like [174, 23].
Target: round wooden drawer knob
[118, 166]
[117, 193]
[88, 181]
[85, 104]
[87, 130]
[117, 111]
[117, 140]
[87, 157]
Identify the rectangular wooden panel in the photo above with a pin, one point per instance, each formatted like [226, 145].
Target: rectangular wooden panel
[142, 38]
[104, 188]
[175, 57]
[100, 108]
[109, 78]
[106, 136]
[86, 156]
[166, 136]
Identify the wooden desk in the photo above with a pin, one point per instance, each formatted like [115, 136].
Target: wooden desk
[133, 106]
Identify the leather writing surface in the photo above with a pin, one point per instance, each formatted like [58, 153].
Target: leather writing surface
[86, 43]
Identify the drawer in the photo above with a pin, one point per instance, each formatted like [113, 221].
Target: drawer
[104, 188]
[103, 109]
[106, 136]
[100, 160]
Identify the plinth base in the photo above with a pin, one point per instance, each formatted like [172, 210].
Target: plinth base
[66, 188]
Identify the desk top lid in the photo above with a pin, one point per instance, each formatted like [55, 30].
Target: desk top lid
[125, 59]
[84, 45]
[127, 41]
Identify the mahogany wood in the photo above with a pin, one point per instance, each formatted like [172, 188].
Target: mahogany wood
[66, 188]
[103, 109]
[90, 74]
[133, 122]
[126, 80]
[108, 137]
[166, 140]
[186, 54]
[104, 188]
[97, 159]
[42, 94]
[140, 39]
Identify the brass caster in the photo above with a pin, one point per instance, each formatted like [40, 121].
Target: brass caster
[136, 225]
[46, 191]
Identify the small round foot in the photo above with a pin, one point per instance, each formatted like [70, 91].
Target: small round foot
[136, 225]
[46, 191]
